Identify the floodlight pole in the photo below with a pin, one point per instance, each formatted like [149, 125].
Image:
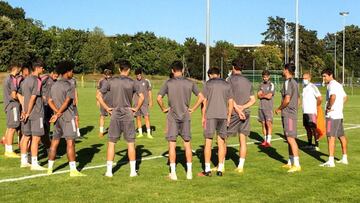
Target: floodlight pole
[344, 14]
[297, 41]
[207, 37]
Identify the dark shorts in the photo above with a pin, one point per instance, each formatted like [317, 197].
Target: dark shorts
[309, 120]
[289, 126]
[215, 125]
[238, 126]
[265, 115]
[13, 118]
[48, 112]
[64, 129]
[334, 127]
[118, 127]
[103, 112]
[34, 127]
[175, 128]
[143, 111]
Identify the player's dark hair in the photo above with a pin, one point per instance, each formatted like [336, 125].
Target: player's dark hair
[64, 67]
[237, 64]
[265, 72]
[213, 71]
[290, 67]
[14, 65]
[138, 71]
[124, 65]
[328, 72]
[37, 63]
[177, 66]
[107, 72]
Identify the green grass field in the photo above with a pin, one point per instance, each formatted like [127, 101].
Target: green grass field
[263, 181]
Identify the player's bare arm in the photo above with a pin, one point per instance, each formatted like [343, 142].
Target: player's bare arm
[283, 105]
[200, 100]
[161, 104]
[140, 102]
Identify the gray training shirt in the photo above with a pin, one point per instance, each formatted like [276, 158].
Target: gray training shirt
[266, 88]
[290, 87]
[9, 86]
[122, 90]
[242, 90]
[106, 97]
[178, 90]
[217, 92]
[32, 86]
[61, 90]
[144, 87]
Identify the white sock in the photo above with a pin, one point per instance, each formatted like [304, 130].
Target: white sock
[78, 132]
[50, 164]
[101, 129]
[290, 160]
[189, 167]
[344, 157]
[331, 160]
[221, 167]
[24, 158]
[296, 161]
[265, 138]
[8, 148]
[132, 167]
[172, 168]
[241, 163]
[148, 131]
[207, 167]
[268, 140]
[34, 160]
[72, 165]
[109, 165]
[140, 131]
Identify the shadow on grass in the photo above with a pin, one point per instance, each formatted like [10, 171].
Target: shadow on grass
[180, 157]
[86, 130]
[152, 128]
[141, 152]
[315, 154]
[271, 151]
[85, 155]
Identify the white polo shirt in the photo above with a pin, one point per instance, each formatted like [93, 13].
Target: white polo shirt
[335, 88]
[309, 96]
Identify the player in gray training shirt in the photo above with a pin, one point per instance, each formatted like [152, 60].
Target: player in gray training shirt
[11, 108]
[178, 90]
[122, 89]
[288, 109]
[106, 97]
[218, 105]
[60, 100]
[76, 102]
[240, 119]
[265, 95]
[47, 81]
[32, 116]
[145, 88]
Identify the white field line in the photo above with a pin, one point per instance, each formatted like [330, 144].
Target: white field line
[143, 159]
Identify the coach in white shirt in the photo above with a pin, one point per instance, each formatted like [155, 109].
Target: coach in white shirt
[335, 99]
[311, 98]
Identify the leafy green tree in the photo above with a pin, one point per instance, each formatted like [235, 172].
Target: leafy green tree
[96, 51]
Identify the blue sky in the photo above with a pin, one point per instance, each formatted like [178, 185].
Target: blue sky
[236, 21]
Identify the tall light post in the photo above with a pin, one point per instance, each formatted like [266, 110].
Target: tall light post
[343, 14]
[207, 37]
[297, 41]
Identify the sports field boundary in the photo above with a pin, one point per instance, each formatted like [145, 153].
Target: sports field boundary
[124, 162]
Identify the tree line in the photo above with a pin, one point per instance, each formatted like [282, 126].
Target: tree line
[24, 39]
